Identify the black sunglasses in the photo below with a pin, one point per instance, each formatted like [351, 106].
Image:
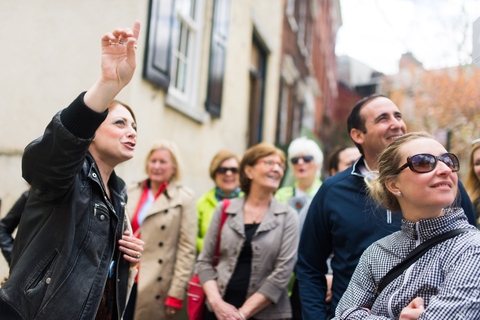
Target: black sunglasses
[224, 170]
[305, 159]
[425, 162]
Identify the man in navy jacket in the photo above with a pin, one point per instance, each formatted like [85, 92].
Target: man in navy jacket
[342, 218]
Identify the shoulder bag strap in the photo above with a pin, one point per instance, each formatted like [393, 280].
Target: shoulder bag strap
[223, 218]
[414, 256]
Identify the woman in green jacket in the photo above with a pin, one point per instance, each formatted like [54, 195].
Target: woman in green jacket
[224, 172]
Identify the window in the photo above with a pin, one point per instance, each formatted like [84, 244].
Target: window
[287, 101]
[258, 60]
[173, 54]
[302, 24]
[157, 64]
[283, 131]
[290, 12]
[186, 40]
[218, 52]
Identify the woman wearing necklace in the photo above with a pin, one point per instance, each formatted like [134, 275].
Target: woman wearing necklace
[258, 245]
[224, 173]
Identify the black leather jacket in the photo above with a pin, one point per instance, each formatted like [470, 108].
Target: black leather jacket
[68, 234]
[9, 223]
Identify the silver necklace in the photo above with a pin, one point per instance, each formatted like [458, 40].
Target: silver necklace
[254, 218]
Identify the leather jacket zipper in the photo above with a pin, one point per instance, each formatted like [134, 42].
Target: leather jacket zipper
[97, 206]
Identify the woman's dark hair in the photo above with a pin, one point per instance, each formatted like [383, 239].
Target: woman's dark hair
[250, 158]
[355, 121]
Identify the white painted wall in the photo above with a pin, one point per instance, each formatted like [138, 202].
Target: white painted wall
[51, 52]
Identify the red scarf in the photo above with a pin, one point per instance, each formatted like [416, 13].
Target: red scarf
[143, 199]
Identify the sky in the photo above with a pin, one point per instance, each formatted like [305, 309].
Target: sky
[378, 32]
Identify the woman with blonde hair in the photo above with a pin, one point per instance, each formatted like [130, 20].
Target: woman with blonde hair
[163, 215]
[418, 177]
[258, 245]
[472, 181]
[225, 175]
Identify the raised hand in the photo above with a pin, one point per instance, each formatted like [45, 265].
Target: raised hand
[118, 67]
[118, 54]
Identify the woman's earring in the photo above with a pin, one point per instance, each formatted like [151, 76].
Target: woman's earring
[399, 193]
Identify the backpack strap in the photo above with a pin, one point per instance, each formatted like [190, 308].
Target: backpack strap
[223, 218]
[413, 256]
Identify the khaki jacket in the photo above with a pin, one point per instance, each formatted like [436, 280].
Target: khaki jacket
[169, 232]
[274, 247]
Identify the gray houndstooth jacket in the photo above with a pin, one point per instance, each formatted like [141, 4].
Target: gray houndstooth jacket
[447, 277]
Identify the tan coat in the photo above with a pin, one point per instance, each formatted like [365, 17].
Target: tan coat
[169, 232]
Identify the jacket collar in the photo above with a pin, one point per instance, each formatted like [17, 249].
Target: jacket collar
[170, 191]
[118, 189]
[168, 199]
[269, 222]
[114, 183]
[359, 169]
[453, 218]
[356, 167]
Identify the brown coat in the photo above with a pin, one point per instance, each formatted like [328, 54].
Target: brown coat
[169, 232]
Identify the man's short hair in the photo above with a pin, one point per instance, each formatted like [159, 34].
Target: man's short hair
[334, 158]
[355, 121]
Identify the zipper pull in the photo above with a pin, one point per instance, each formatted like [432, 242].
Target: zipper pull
[389, 217]
[111, 268]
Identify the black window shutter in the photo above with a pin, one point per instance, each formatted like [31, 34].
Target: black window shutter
[159, 43]
[218, 52]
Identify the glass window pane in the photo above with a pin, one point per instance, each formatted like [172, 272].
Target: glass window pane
[185, 34]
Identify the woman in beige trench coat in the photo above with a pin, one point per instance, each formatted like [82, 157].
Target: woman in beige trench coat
[164, 216]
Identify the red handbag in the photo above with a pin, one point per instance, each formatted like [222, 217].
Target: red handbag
[195, 294]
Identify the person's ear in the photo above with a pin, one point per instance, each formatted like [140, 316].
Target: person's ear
[392, 186]
[357, 135]
[249, 171]
[333, 172]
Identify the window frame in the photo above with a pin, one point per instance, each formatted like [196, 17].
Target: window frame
[187, 102]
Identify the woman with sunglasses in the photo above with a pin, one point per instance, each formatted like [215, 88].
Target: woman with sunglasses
[472, 181]
[258, 245]
[419, 177]
[224, 173]
[163, 215]
[305, 159]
